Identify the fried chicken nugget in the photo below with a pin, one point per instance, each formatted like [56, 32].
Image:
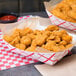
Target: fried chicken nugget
[26, 31]
[31, 35]
[7, 38]
[49, 45]
[67, 38]
[46, 32]
[31, 48]
[26, 40]
[37, 32]
[72, 14]
[34, 43]
[20, 46]
[69, 46]
[56, 49]
[63, 43]
[16, 33]
[59, 33]
[40, 39]
[15, 40]
[62, 47]
[52, 28]
[51, 37]
[57, 39]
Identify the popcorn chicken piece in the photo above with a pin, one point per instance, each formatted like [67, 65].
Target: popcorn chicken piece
[61, 47]
[46, 32]
[26, 40]
[37, 32]
[52, 28]
[57, 39]
[59, 33]
[49, 45]
[34, 43]
[26, 31]
[40, 39]
[20, 46]
[16, 33]
[31, 35]
[31, 48]
[56, 49]
[63, 31]
[7, 38]
[15, 40]
[69, 46]
[63, 43]
[51, 37]
[67, 38]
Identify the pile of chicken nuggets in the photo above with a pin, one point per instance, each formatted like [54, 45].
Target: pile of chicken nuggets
[66, 10]
[50, 38]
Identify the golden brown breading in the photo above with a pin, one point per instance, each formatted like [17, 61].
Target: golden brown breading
[40, 39]
[52, 28]
[72, 14]
[57, 39]
[26, 31]
[20, 46]
[51, 37]
[56, 49]
[49, 45]
[67, 38]
[7, 38]
[46, 32]
[26, 40]
[31, 48]
[36, 32]
[69, 45]
[15, 40]
[63, 43]
[31, 35]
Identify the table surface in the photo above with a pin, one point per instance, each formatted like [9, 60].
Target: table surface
[27, 70]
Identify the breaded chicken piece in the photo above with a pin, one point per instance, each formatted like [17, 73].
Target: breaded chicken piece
[15, 41]
[59, 33]
[37, 32]
[46, 32]
[57, 39]
[52, 28]
[26, 40]
[51, 37]
[40, 39]
[56, 49]
[16, 33]
[20, 46]
[67, 38]
[31, 35]
[7, 38]
[61, 47]
[63, 43]
[72, 14]
[31, 48]
[69, 45]
[49, 45]
[26, 31]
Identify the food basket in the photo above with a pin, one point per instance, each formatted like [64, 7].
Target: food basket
[40, 54]
[55, 20]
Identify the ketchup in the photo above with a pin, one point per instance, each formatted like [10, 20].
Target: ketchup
[8, 18]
